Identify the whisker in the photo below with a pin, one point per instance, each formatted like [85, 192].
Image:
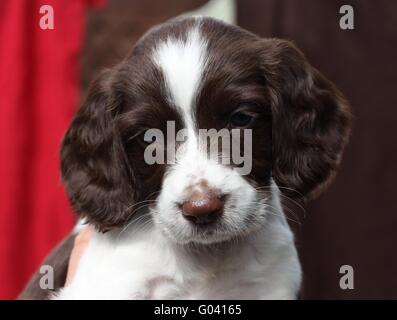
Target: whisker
[140, 202]
[135, 220]
[286, 188]
[286, 208]
[287, 198]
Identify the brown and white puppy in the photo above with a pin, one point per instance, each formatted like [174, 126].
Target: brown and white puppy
[194, 227]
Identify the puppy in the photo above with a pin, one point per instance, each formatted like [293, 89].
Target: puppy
[195, 227]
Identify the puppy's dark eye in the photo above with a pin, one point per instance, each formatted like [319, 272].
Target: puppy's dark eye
[240, 119]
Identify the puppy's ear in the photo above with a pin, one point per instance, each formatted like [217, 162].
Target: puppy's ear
[311, 121]
[94, 166]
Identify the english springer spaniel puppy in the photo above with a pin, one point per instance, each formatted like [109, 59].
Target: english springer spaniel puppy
[192, 227]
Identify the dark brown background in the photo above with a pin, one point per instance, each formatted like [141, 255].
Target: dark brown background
[355, 221]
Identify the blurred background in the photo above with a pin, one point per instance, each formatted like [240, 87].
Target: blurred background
[44, 74]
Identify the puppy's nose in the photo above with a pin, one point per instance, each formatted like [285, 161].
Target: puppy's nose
[203, 208]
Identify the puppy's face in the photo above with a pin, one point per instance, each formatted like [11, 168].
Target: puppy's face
[269, 113]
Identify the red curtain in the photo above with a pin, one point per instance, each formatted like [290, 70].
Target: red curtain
[39, 93]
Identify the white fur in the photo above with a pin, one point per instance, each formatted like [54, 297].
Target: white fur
[182, 63]
[251, 253]
[141, 263]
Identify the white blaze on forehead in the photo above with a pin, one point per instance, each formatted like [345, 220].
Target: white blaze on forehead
[182, 63]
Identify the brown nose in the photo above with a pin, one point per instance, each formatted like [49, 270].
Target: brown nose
[203, 208]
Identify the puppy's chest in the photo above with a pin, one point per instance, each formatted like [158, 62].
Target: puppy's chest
[142, 271]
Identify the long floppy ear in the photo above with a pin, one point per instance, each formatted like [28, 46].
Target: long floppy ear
[311, 121]
[95, 170]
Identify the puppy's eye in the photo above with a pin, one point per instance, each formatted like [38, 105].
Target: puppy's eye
[240, 119]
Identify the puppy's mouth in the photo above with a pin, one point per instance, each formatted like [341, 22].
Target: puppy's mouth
[205, 236]
[221, 230]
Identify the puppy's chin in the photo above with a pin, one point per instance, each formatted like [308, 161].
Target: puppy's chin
[219, 232]
[207, 237]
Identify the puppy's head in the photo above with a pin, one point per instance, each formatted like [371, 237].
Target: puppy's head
[287, 122]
